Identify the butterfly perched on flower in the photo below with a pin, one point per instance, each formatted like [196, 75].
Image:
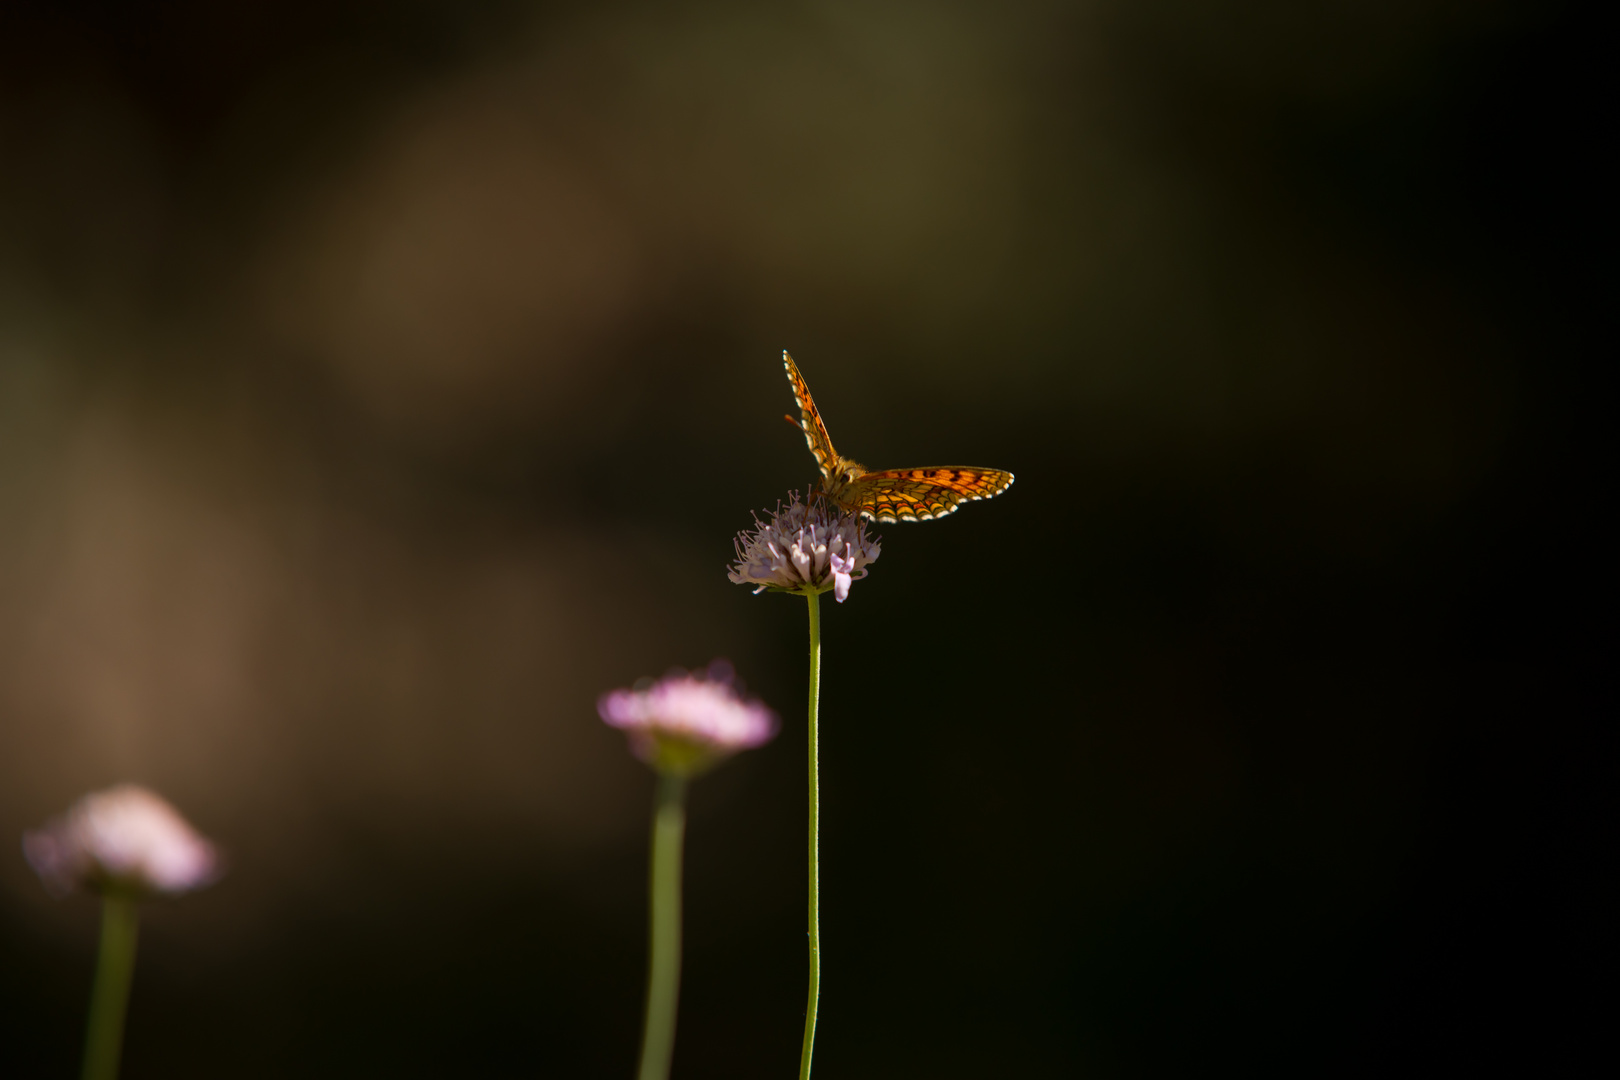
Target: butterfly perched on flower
[891, 494]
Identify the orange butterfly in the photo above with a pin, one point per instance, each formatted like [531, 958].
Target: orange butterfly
[893, 494]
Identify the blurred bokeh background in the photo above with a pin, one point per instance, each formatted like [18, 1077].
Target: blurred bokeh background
[380, 383]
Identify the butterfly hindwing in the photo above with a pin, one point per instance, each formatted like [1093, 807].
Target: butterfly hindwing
[922, 494]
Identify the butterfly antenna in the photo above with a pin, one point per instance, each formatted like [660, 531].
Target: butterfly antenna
[795, 423]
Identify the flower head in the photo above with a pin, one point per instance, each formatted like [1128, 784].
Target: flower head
[805, 548]
[125, 839]
[686, 722]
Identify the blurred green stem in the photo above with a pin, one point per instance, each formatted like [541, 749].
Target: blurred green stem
[664, 950]
[815, 840]
[109, 996]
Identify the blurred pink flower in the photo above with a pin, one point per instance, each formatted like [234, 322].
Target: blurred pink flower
[686, 722]
[804, 547]
[125, 839]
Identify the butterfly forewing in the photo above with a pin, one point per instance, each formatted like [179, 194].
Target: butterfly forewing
[815, 432]
[890, 494]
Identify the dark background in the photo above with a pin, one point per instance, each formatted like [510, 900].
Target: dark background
[380, 383]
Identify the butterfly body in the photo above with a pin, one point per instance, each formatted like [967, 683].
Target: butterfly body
[888, 494]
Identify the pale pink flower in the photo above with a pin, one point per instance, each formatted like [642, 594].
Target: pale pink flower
[804, 548]
[688, 722]
[125, 839]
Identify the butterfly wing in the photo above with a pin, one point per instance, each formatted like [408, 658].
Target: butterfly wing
[921, 494]
[815, 432]
[893, 494]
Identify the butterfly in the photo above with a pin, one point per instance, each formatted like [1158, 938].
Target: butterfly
[892, 494]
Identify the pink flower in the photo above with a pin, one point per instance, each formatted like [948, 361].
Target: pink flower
[125, 839]
[687, 723]
[804, 548]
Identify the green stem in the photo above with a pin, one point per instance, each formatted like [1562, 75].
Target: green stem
[664, 951]
[815, 841]
[109, 995]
